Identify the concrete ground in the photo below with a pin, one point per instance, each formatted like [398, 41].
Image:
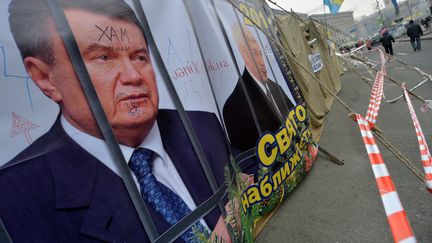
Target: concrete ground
[341, 203]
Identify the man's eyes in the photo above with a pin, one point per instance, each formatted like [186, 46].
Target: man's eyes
[141, 58]
[104, 58]
[101, 57]
[144, 58]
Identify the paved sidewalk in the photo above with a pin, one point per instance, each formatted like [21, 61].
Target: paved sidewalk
[342, 203]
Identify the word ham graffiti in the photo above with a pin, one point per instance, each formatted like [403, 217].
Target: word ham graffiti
[109, 32]
[21, 125]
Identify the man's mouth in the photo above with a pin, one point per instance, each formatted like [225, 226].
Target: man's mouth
[133, 96]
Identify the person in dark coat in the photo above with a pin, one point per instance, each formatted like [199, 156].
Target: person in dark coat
[387, 41]
[414, 31]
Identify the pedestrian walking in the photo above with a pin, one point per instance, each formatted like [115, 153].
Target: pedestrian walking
[387, 41]
[414, 31]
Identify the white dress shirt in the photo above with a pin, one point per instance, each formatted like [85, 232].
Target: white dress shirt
[260, 84]
[163, 167]
[264, 88]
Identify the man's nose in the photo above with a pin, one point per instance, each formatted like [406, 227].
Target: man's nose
[129, 74]
[261, 62]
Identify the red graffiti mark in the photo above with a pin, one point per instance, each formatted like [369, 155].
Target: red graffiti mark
[21, 125]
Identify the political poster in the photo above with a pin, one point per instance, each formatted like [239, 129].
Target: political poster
[264, 115]
[200, 103]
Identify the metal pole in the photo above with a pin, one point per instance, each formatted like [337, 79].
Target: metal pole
[325, 19]
[71, 45]
[379, 11]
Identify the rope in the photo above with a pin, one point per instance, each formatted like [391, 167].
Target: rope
[378, 134]
[398, 83]
[396, 215]
[293, 14]
[398, 154]
[424, 149]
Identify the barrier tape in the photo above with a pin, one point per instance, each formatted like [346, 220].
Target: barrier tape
[383, 61]
[377, 93]
[424, 149]
[412, 89]
[357, 49]
[396, 215]
[375, 99]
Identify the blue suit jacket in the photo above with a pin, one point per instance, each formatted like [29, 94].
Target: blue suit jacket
[54, 191]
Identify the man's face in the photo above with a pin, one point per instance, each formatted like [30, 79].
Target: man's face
[116, 56]
[253, 54]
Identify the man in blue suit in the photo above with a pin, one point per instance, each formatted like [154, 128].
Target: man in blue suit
[65, 186]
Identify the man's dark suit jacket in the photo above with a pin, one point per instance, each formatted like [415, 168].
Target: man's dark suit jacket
[54, 191]
[237, 114]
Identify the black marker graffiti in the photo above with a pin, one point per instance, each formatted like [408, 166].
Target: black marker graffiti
[134, 110]
[110, 33]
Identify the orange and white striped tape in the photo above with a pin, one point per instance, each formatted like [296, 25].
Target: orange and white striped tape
[424, 149]
[383, 60]
[396, 216]
[377, 93]
[375, 99]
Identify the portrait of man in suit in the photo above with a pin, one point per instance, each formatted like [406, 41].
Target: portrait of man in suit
[65, 187]
[257, 104]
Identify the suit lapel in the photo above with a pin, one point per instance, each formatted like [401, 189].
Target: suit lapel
[179, 147]
[111, 216]
[84, 186]
[261, 104]
[282, 100]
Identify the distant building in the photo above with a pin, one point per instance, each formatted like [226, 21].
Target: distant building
[416, 9]
[343, 21]
[361, 30]
[371, 24]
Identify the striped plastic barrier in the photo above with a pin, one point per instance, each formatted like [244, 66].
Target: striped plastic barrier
[375, 99]
[396, 216]
[424, 149]
[383, 61]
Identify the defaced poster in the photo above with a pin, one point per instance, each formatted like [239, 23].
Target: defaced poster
[199, 98]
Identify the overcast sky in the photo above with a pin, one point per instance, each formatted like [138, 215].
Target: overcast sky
[360, 7]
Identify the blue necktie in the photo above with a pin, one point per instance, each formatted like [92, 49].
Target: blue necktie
[161, 198]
